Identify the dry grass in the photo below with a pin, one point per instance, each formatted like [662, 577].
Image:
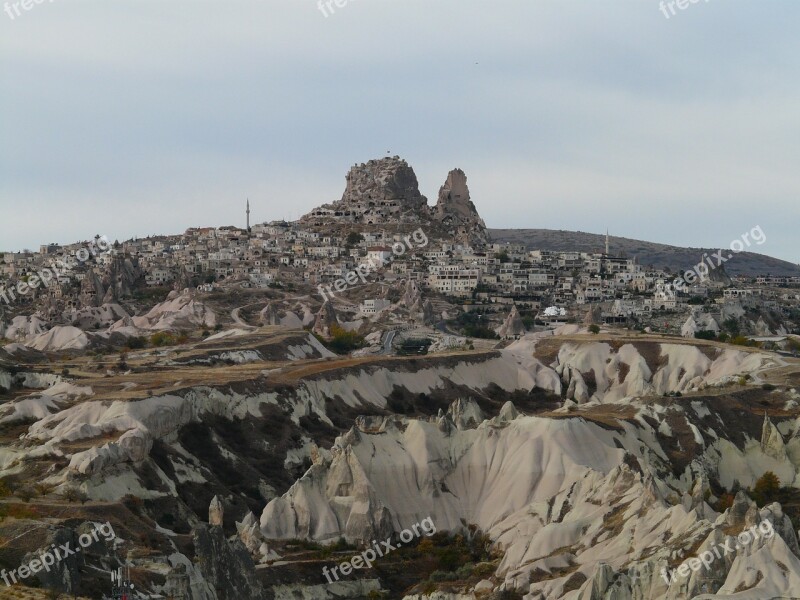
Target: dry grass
[17, 592]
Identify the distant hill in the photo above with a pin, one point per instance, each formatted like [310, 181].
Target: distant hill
[647, 253]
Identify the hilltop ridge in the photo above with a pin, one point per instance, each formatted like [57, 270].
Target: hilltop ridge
[647, 253]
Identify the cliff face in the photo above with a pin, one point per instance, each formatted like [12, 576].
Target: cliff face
[603, 496]
[457, 213]
[379, 191]
[385, 182]
[386, 191]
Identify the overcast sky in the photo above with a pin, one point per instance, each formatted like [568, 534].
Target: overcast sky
[130, 118]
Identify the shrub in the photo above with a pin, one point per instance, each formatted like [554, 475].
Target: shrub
[25, 493]
[162, 338]
[768, 387]
[464, 571]
[593, 328]
[731, 326]
[484, 570]
[43, 489]
[725, 502]
[342, 545]
[343, 341]
[354, 238]
[705, 335]
[766, 488]
[449, 558]
[136, 343]
[73, 494]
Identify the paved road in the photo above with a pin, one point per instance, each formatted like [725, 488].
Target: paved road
[387, 342]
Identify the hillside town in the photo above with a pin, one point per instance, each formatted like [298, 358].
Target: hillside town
[513, 288]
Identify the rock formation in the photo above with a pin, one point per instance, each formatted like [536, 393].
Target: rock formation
[249, 530]
[384, 182]
[456, 211]
[411, 294]
[513, 326]
[378, 191]
[324, 320]
[385, 191]
[428, 314]
[269, 315]
[594, 316]
[772, 440]
[699, 321]
[225, 564]
[215, 512]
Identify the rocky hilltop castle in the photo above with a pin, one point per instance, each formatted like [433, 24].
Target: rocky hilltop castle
[386, 192]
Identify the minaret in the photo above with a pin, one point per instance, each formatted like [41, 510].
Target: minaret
[607, 253]
[248, 214]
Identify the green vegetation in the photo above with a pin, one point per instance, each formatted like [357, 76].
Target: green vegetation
[472, 324]
[353, 238]
[73, 494]
[595, 329]
[731, 326]
[136, 343]
[162, 338]
[730, 338]
[766, 488]
[706, 334]
[342, 341]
